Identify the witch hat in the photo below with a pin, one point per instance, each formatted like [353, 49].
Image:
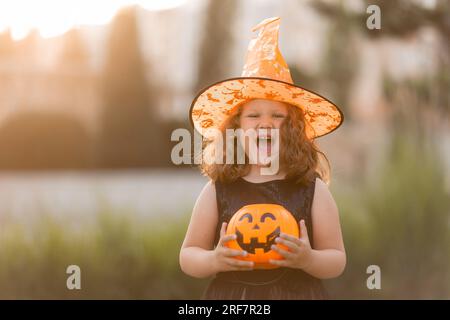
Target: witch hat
[265, 75]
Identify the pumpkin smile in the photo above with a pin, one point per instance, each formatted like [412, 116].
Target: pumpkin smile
[255, 244]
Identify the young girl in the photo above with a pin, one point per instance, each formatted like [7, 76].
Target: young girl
[265, 99]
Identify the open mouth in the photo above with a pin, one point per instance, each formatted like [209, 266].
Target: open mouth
[264, 145]
[263, 140]
[255, 244]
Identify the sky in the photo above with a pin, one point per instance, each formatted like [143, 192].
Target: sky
[54, 17]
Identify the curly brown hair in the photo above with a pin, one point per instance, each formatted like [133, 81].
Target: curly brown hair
[300, 157]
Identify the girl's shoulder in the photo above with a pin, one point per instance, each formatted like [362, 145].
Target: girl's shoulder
[323, 197]
[211, 186]
[208, 192]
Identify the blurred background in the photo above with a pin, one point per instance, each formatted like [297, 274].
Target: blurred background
[91, 91]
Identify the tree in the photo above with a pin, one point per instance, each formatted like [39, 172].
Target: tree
[6, 45]
[130, 135]
[217, 40]
[37, 140]
[74, 52]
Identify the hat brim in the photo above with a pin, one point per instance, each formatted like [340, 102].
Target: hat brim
[215, 103]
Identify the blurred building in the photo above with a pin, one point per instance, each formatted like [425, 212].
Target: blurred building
[35, 77]
[34, 74]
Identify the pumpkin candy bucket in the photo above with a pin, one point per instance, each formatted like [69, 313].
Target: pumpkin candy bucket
[256, 227]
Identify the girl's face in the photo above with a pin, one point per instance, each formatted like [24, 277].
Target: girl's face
[262, 116]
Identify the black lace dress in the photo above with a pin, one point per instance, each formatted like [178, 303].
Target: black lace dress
[281, 283]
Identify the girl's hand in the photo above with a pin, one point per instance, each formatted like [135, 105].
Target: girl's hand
[224, 257]
[299, 253]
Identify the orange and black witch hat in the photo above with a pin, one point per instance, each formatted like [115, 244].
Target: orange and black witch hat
[265, 75]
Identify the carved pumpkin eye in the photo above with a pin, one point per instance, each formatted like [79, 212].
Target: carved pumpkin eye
[247, 215]
[267, 215]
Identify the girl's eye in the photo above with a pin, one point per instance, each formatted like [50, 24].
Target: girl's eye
[278, 115]
[253, 115]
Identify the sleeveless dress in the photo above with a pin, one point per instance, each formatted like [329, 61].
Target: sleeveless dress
[281, 283]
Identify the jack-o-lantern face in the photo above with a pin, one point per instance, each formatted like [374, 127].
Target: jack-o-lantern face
[256, 227]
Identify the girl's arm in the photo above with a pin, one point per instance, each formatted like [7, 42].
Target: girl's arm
[328, 256]
[196, 253]
[198, 258]
[327, 259]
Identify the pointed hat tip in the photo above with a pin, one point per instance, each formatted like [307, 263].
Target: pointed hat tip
[265, 22]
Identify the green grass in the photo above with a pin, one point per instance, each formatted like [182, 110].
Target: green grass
[398, 220]
[121, 256]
